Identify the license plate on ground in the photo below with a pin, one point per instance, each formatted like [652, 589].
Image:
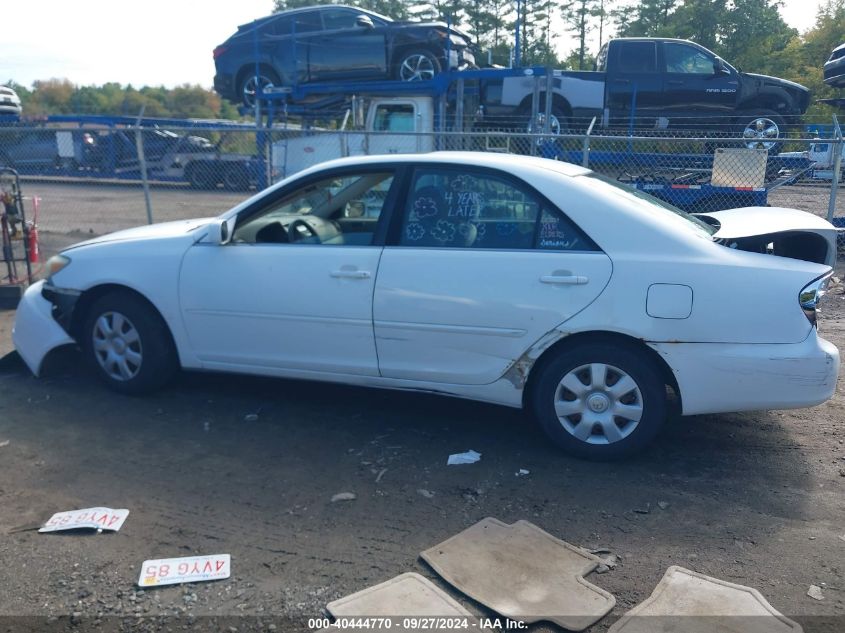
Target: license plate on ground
[172, 571]
[91, 518]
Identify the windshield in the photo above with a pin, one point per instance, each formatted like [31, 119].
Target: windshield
[649, 203]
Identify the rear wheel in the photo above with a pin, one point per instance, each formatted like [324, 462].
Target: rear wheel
[599, 400]
[127, 344]
[251, 82]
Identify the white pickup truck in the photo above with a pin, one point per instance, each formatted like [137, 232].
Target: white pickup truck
[392, 125]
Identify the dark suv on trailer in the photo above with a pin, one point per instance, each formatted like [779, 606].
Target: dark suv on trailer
[334, 43]
[834, 68]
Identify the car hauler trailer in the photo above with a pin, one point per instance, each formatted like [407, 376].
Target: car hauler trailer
[106, 147]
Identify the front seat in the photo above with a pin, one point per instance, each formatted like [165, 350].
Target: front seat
[273, 233]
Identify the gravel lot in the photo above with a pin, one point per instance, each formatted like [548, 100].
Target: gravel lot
[754, 498]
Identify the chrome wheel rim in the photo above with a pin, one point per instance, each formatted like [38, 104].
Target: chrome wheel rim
[417, 68]
[761, 133]
[598, 404]
[538, 125]
[250, 88]
[117, 346]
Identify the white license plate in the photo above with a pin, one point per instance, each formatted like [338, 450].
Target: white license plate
[172, 571]
[90, 518]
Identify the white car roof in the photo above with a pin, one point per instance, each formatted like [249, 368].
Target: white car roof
[471, 159]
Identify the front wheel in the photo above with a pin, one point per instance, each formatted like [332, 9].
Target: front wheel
[127, 344]
[235, 178]
[600, 401]
[418, 65]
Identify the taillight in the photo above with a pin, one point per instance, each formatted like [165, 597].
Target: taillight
[218, 51]
[811, 294]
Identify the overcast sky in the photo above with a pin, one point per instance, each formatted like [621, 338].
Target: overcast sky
[166, 42]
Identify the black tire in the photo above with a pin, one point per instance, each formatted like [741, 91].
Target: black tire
[246, 84]
[66, 164]
[630, 437]
[417, 65]
[201, 176]
[759, 120]
[235, 177]
[141, 330]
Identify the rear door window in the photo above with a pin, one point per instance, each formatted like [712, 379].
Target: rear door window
[636, 57]
[474, 209]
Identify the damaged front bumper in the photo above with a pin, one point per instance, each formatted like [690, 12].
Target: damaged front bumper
[727, 377]
[37, 330]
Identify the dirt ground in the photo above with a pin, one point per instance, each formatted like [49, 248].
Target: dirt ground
[752, 498]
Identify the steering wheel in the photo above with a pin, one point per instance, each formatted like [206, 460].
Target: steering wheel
[300, 229]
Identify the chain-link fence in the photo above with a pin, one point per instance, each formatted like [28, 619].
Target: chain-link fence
[89, 180]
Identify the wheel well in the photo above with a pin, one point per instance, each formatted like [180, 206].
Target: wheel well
[614, 338]
[87, 299]
[402, 51]
[774, 103]
[557, 101]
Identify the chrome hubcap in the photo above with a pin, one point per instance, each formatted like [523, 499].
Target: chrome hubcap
[117, 346]
[417, 68]
[598, 403]
[761, 133]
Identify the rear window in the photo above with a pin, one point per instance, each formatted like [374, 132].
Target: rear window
[297, 23]
[650, 203]
[394, 118]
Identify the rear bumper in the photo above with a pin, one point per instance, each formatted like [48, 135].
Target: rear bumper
[724, 377]
[36, 332]
[224, 85]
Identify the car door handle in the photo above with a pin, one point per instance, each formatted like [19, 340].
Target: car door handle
[622, 81]
[350, 274]
[564, 280]
[675, 82]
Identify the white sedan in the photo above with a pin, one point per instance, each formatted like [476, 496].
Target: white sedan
[513, 280]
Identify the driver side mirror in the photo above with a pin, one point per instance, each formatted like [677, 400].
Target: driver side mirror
[364, 21]
[220, 231]
[719, 67]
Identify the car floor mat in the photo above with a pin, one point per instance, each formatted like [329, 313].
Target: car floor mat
[687, 601]
[522, 573]
[406, 596]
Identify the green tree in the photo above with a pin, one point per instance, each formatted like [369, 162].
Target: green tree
[751, 31]
[577, 18]
[647, 18]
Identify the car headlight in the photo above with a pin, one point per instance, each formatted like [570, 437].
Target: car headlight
[811, 294]
[55, 264]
